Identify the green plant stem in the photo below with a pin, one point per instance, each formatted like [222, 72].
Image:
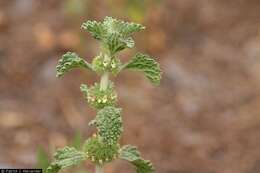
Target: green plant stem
[99, 169]
[104, 81]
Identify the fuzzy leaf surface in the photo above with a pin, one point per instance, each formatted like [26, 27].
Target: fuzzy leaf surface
[65, 157]
[70, 61]
[146, 64]
[131, 154]
[114, 34]
[95, 28]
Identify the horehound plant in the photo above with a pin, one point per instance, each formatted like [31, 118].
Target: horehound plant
[103, 147]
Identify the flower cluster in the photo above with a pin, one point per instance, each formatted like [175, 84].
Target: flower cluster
[98, 98]
[103, 63]
[99, 152]
[109, 124]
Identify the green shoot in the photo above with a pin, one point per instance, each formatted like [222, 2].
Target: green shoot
[104, 146]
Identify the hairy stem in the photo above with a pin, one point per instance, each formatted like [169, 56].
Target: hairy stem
[99, 169]
[104, 81]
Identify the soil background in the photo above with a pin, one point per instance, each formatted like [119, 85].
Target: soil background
[204, 117]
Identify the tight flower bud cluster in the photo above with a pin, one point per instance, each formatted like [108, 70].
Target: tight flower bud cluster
[99, 152]
[103, 63]
[98, 98]
[109, 124]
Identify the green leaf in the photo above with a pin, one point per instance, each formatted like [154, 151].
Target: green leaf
[114, 34]
[95, 28]
[124, 28]
[66, 157]
[69, 61]
[115, 42]
[146, 64]
[131, 154]
[129, 28]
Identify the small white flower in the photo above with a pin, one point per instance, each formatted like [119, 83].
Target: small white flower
[113, 65]
[104, 100]
[105, 64]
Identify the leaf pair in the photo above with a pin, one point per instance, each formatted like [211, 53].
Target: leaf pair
[139, 62]
[114, 34]
[69, 156]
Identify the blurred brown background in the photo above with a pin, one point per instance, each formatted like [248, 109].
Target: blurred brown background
[204, 118]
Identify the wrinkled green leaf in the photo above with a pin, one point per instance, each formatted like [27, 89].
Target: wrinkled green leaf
[65, 157]
[131, 154]
[115, 42]
[95, 28]
[146, 64]
[129, 28]
[69, 61]
[114, 34]
[124, 28]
